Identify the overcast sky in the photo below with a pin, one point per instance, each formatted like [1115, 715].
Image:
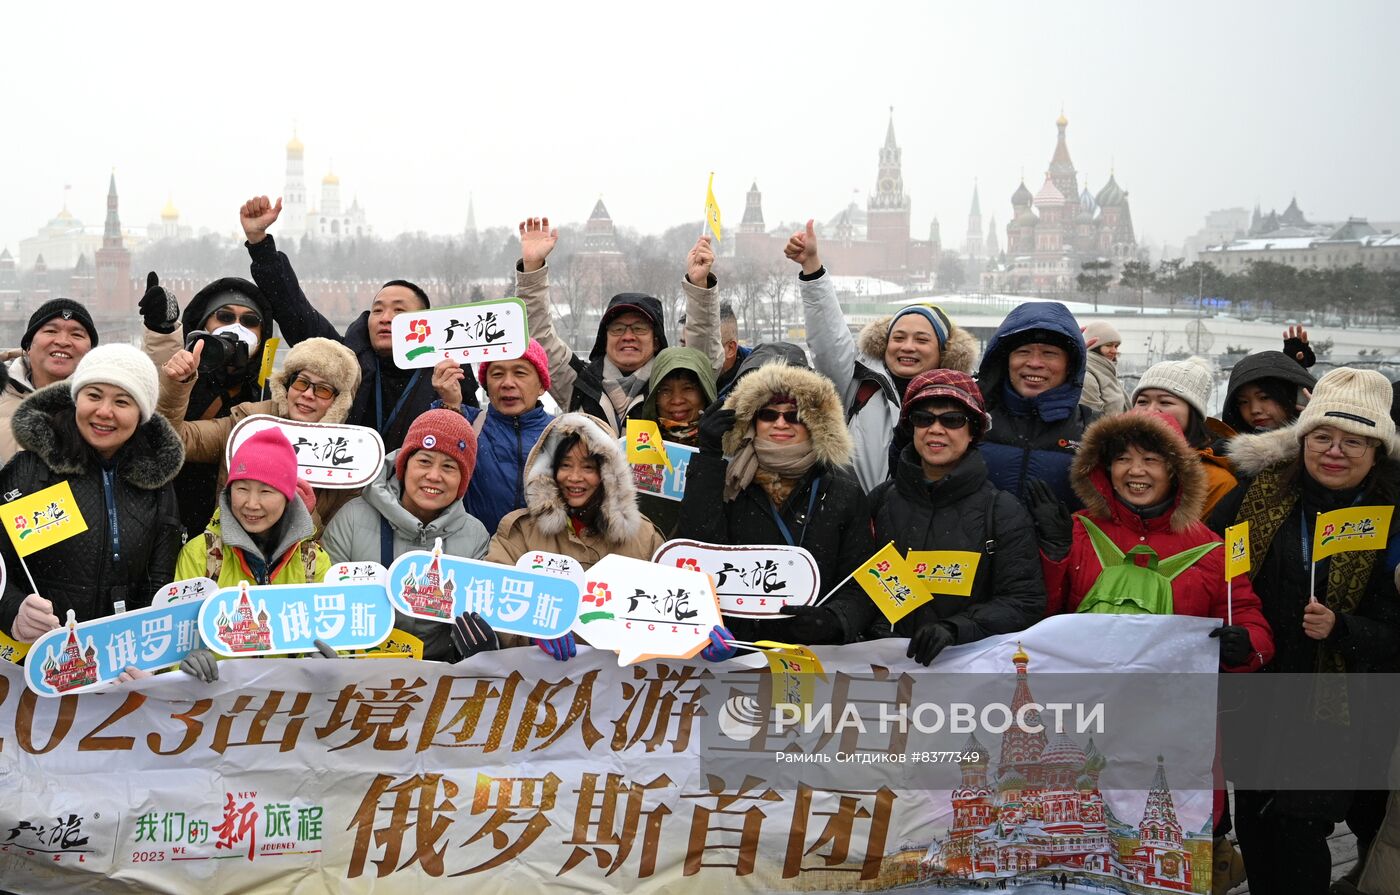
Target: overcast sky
[542, 107]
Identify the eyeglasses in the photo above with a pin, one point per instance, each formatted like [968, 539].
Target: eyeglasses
[247, 318]
[953, 419]
[319, 389]
[1321, 443]
[636, 329]
[771, 415]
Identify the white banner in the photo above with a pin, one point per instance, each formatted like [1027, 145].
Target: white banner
[329, 455]
[468, 334]
[750, 581]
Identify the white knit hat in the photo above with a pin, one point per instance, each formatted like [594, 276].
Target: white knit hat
[1103, 331]
[1191, 380]
[1355, 401]
[124, 366]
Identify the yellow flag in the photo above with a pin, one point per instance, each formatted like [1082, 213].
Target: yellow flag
[1237, 542]
[1354, 528]
[712, 208]
[12, 650]
[792, 667]
[269, 356]
[945, 571]
[43, 519]
[644, 444]
[399, 645]
[889, 581]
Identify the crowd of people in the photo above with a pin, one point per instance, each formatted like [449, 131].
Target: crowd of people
[1033, 455]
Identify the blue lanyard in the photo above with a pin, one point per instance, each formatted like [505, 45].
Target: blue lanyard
[379, 422]
[782, 526]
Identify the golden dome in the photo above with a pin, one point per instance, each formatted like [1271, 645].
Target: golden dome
[1020, 656]
[294, 144]
[330, 178]
[1062, 120]
[169, 213]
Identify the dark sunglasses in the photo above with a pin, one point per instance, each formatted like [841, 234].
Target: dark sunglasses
[770, 415]
[952, 419]
[248, 318]
[319, 389]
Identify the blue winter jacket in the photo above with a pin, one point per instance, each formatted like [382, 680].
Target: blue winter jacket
[504, 442]
[1033, 438]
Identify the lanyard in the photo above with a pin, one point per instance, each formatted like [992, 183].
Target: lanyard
[380, 423]
[782, 526]
[386, 543]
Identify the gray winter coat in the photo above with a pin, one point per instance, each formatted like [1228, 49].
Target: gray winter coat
[1103, 390]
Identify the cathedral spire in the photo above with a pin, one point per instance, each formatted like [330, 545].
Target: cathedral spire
[889, 131]
[112, 227]
[471, 215]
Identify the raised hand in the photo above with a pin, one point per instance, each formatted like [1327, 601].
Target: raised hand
[256, 215]
[1295, 345]
[158, 307]
[34, 619]
[536, 242]
[699, 261]
[183, 365]
[447, 382]
[802, 248]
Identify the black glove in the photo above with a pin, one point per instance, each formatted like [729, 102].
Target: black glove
[810, 625]
[323, 650]
[471, 635]
[713, 426]
[1235, 645]
[928, 641]
[201, 663]
[158, 306]
[1052, 519]
[1294, 347]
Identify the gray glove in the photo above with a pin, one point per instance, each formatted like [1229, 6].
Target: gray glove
[201, 664]
[323, 650]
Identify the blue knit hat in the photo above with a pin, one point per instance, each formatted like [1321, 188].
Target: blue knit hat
[933, 314]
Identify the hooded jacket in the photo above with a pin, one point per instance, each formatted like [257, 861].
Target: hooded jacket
[1033, 438]
[1251, 369]
[356, 536]
[1103, 390]
[665, 513]
[388, 399]
[503, 445]
[1197, 591]
[868, 393]
[963, 511]
[725, 380]
[227, 547]
[206, 441]
[133, 530]
[827, 512]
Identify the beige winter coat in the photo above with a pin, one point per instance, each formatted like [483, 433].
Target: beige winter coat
[1103, 391]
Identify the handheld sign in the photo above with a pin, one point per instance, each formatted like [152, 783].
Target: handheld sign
[356, 573]
[75, 658]
[642, 610]
[890, 583]
[43, 518]
[483, 331]
[645, 446]
[552, 564]
[949, 572]
[329, 455]
[439, 587]
[1237, 554]
[1350, 528]
[278, 619]
[190, 589]
[662, 480]
[751, 582]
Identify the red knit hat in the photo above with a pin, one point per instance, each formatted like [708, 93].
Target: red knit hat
[268, 457]
[534, 353]
[444, 431]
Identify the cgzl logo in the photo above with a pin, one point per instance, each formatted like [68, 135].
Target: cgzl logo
[1359, 528]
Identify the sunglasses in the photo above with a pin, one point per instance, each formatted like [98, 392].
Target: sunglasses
[952, 419]
[771, 415]
[319, 389]
[248, 318]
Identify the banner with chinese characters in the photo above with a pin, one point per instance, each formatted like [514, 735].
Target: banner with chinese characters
[75, 657]
[468, 334]
[329, 455]
[282, 619]
[660, 480]
[510, 772]
[641, 610]
[750, 581]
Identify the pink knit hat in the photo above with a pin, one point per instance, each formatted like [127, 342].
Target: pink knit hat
[444, 431]
[534, 353]
[267, 456]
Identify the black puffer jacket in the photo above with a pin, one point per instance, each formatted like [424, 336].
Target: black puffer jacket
[963, 511]
[89, 572]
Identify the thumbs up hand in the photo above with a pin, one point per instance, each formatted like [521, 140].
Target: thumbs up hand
[802, 248]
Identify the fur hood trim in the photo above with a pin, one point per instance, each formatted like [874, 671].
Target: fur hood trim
[959, 354]
[154, 453]
[619, 520]
[1256, 452]
[817, 404]
[1089, 473]
[327, 359]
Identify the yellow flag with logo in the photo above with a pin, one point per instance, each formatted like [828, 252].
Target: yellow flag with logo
[891, 584]
[712, 208]
[792, 667]
[644, 444]
[269, 357]
[1353, 528]
[12, 650]
[399, 645]
[948, 572]
[1237, 544]
[43, 519]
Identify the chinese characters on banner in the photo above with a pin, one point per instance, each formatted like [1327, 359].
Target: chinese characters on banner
[329, 455]
[280, 619]
[469, 334]
[751, 582]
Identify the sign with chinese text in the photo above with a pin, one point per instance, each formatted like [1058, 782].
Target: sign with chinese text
[890, 583]
[329, 455]
[367, 572]
[641, 610]
[1345, 530]
[659, 480]
[552, 564]
[77, 657]
[43, 518]
[1237, 550]
[439, 587]
[949, 572]
[750, 582]
[278, 619]
[468, 334]
[195, 589]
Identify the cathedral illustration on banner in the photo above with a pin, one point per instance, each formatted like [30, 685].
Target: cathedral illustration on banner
[429, 594]
[244, 632]
[1041, 814]
[73, 667]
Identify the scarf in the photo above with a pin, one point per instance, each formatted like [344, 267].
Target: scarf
[786, 461]
[680, 433]
[586, 516]
[624, 389]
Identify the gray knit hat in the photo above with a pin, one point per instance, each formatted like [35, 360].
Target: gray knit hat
[1191, 380]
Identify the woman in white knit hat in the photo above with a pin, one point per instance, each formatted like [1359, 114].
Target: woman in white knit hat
[1181, 390]
[96, 432]
[1342, 452]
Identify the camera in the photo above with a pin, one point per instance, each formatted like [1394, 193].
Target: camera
[221, 350]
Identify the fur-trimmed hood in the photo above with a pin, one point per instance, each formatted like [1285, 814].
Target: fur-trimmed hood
[817, 404]
[1254, 453]
[1089, 472]
[153, 455]
[619, 521]
[959, 354]
[327, 359]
